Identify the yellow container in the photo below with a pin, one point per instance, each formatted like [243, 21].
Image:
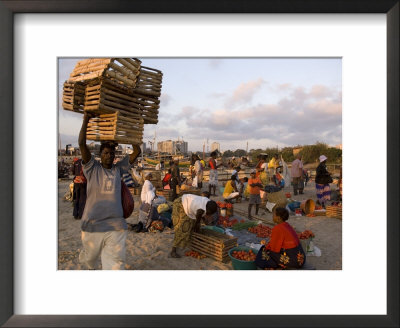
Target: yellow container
[308, 206]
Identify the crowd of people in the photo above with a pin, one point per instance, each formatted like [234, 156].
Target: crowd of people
[97, 199]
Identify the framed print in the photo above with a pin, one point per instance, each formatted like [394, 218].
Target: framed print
[35, 293]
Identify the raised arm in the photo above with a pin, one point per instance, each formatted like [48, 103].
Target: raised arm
[136, 152]
[82, 138]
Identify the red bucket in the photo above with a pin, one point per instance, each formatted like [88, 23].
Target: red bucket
[288, 195]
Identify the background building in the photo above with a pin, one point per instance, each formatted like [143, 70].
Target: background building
[215, 146]
[172, 147]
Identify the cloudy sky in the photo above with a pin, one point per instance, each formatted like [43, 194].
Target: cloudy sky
[266, 102]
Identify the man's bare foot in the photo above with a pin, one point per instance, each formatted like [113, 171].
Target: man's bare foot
[175, 255]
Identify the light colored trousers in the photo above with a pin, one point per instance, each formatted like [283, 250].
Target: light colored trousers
[110, 245]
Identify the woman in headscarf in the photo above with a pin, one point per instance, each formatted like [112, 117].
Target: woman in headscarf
[322, 180]
[284, 249]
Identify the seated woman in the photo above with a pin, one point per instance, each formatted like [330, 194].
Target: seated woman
[231, 192]
[278, 178]
[284, 249]
[166, 180]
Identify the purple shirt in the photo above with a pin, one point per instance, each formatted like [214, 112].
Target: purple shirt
[297, 168]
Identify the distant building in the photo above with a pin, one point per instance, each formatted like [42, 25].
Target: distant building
[215, 146]
[339, 146]
[181, 146]
[172, 147]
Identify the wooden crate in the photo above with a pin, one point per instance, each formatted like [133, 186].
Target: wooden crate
[115, 127]
[334, 212]
[167, 194]
[124, 71]
[102, 95]
[115, 84]
[73, 96]
[147, 92]
[213, 244]
[149, 82]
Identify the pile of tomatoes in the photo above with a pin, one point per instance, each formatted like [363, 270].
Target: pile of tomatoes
[261, 231]
[244, 256]
[226, 223]
[306, 234]
[195, 254]
[224, 205]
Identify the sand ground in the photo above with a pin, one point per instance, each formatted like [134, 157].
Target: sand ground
[149, 251]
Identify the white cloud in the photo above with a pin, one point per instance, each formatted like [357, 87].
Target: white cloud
[244, 92]
[300, 117]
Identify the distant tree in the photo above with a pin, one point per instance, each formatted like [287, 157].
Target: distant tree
[228, 153]
[287, 154]
[311, 153]
[239, 153]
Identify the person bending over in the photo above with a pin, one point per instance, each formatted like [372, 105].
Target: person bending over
[187, 213]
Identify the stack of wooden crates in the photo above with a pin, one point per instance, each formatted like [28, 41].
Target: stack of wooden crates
[121, 93]
[334, 212]
[213, 244]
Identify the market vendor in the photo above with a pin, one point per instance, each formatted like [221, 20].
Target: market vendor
[254, 192]
[187, 213]
[273, 164]
[284, 249]
[231, 192]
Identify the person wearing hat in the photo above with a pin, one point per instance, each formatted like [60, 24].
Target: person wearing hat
[322, 180]
[255, 185]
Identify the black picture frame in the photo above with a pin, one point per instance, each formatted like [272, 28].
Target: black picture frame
[7, 11]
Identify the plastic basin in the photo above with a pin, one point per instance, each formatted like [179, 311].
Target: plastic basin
[239, 264]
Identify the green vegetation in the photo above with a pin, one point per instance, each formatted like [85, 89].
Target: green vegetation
[310, 153]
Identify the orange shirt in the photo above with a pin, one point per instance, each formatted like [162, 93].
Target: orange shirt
[283, 236]
[254, 190]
